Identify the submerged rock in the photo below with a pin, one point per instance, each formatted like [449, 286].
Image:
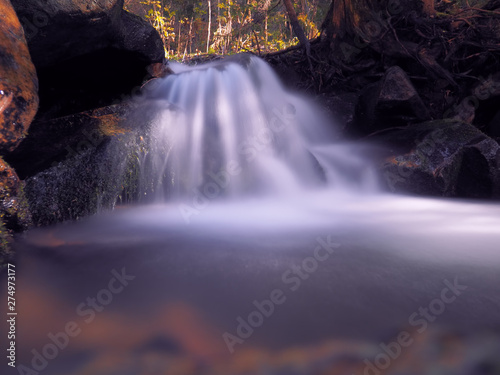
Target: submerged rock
[18, 80]
[441, 158]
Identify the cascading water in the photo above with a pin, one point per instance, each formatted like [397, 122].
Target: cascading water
[230, 129]
[285, 275]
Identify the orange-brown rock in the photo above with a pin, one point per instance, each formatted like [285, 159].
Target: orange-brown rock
[14, 212]
[18, 80]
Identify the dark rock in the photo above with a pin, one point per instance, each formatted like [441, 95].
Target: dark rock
[494, 125]
[88, 53]
[78, 165]
[53, 141]
[342, 107]
[14, 211]
[393, 101]
[445, 158]
[13, 208]
[136, 35]
[18, 81]
[59, 29]
[94, 80]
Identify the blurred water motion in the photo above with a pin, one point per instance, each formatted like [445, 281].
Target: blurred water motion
[229, 129]
[390, 256]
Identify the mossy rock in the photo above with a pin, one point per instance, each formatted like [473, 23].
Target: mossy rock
[83, 169]
[441, 158]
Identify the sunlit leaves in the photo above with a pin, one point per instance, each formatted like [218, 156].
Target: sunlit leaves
[236, 25]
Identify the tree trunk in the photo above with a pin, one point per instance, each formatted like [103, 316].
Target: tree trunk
[209, 23]
[265, 33]
[297, 29]
[179, 45]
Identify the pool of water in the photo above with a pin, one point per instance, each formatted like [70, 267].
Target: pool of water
[318, 283]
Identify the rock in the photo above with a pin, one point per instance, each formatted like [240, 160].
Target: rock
[18, 81]
[60, 29]
[53, 141]
[88, 53]
[136, 35]
[77, 165]
[342, 107]
[391, 102]
[13, 208]
[14, 211]
[159, 70]
[494, 125]
[446, 158]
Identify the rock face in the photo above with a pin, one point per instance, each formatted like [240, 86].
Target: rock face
[390, 102]
[88, 53]
[13, 207]
[14, 211]
[442, 158]
[78, 165]
[18, 106]
[18, 81]
[88, 56]
[60, 29]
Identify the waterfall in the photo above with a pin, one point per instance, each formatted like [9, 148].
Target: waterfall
[230, 129]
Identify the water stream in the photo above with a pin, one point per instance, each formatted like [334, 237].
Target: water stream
[265, 248]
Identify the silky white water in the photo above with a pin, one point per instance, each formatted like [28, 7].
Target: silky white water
[229, 129]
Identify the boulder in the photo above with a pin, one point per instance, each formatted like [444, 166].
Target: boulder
[13, 208]
[14, 211]
[80, 164]
[60, 29]
[136, 35]
[18, 81]
[441, 158]
[88, 53]
[390, 102]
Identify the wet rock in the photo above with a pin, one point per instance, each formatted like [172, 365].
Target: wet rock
[53, 141]
[18, 80]
[14, 211]
[444, 158]
[77, 165]
[393, 101]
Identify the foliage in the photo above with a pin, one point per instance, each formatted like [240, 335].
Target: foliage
[235, 25]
